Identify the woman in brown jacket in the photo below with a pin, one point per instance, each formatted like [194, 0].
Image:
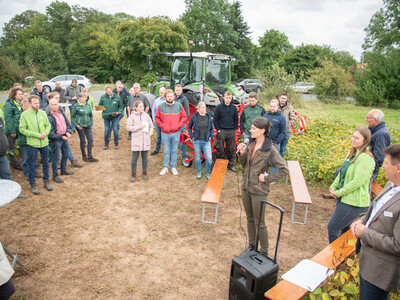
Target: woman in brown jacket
[256, 159]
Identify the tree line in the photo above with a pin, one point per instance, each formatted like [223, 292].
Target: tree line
[109, 47]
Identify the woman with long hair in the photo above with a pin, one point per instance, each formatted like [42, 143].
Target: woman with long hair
[350, 187]
[257, 159]
[201, 131]
[141, 126]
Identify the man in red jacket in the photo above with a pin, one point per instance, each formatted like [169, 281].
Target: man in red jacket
[170, 117]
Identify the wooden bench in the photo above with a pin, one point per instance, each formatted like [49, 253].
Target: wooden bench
[301, 195]
[375, 188]
[331, 256]
[213, 188]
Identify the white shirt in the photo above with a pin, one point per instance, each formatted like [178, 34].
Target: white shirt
[377, 205]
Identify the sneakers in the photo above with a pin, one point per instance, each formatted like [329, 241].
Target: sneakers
[174, 171]
[129, 138]
[208, 175]
[105, 147]
[58, 179]
[85, 158]
[47, 186]
[92, 159]
[154, 152]
[164, 171]
[67, 172]
[133, 177]
[144, 175]
[116, 146]
[198, 176]
[76, 164]
[35, 190]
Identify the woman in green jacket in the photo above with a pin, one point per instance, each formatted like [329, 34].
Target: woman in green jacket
[350, 187]
[82, 118]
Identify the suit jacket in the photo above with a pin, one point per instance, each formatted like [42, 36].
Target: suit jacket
[380, 251]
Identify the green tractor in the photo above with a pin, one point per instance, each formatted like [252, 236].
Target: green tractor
[203, 76]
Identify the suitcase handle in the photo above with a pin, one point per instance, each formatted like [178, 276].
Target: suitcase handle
[279, 230]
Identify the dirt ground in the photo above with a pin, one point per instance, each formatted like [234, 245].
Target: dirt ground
[100, 236]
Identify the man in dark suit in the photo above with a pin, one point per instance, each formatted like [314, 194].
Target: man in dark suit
[379, 231]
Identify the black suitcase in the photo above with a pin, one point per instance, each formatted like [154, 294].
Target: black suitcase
[253, 273]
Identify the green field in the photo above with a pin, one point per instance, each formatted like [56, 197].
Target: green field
[349, 112]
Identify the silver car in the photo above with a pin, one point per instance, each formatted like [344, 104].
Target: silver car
[65, 80]
[302, 87]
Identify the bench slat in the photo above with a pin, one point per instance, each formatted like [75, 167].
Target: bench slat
[299, 186]
[285, 290]
[376, 188]
[213, 188]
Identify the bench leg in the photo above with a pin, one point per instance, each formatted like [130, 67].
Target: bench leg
[215, 206]
[14, 257]
[305, 213]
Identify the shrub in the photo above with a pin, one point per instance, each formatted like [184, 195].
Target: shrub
[10, 72]
[344, 284]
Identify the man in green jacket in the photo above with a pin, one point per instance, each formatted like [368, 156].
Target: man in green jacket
[248, 115]
[12, 113]
[113, 108]
[35, 125]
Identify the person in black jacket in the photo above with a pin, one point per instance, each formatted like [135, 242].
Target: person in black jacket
[201, 131]
[226, 122]
[5, 172]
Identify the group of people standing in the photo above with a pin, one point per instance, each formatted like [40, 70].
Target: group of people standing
[38, 124]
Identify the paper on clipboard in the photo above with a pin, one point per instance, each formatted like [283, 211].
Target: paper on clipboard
[308, 274]
[146, 126]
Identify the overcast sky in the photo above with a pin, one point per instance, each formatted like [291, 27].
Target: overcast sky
[338, 23]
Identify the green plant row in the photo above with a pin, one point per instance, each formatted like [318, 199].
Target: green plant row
[322, 148]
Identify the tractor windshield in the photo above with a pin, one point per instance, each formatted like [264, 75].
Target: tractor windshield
[180, 70]
[217, 72]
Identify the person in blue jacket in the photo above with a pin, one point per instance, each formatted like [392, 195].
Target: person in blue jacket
[278, 121]
[201, 131]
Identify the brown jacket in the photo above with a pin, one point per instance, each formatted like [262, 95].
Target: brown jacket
[267, 156]
[288, 112]
[380, 251]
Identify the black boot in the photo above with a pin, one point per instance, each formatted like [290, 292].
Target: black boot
[251, 248]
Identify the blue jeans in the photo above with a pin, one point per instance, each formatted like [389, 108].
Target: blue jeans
[342, 218]
[70, 156]
[5, 172]
[205, 146]
[278, 148]
[368, 291]
[23, 150]
[158, 139]
[170, 143]
[182, 146]
[32, 158]
[283, 144]
[120, 116]
[57, 147]
[111, 125]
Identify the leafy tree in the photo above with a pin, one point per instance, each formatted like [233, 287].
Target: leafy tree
[304, 58]
[345, 60]
[10, 72]
[16, 25]
[378, 83]
[273, 45]
[61, 22]
[209, 27]
[332, 81]
[383, 31]
[93, 51]
[146, 36]
[243, 45]
[46, 56]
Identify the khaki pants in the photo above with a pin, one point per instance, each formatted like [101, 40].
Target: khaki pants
[252, 206]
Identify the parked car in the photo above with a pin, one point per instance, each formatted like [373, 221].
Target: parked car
[251, 85]
[302, 87]
[65, 80]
